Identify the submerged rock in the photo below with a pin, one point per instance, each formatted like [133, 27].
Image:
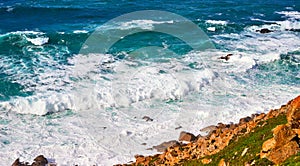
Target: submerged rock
[227, 57]
[264, 30]
[147, 118]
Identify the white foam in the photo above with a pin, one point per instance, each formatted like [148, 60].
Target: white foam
[81, 138]
[38, 41]
[262, 48]
[290, 14]
[143, 24]
[217, 22]
[80, 31]
[27, 32]
[289, 25]
[35, 37]
[211, 29]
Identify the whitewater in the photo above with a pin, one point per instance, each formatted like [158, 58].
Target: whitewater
[88, 109]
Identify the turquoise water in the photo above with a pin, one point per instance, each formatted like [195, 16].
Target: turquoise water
[89, 106]
[56, 17]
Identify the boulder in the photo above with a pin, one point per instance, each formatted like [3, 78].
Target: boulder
[245, 120]
[293, 113]
[165, 145]
[185, 136]
[280, 154]
[18, 163]
[40, 161]
[283, 134]
[267, 146]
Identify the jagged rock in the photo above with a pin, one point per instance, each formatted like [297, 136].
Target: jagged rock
[284, 141]
[283, 134]
[282, 153]
[18, 163]
[267, 146]
[245, 120]
[141, 159]
[40, 161]
[286, 137]
[297, 131]
[185, 136]
[293, 113]
[162, 147]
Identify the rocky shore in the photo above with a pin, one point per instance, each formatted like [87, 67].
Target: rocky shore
[283, 144]
[262, 139]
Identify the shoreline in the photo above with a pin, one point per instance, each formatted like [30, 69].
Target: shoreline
[189, 148]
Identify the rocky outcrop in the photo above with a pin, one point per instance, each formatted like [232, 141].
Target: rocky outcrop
[285, 141]
[38, 161]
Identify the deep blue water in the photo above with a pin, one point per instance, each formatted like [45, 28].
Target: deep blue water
[52, 16]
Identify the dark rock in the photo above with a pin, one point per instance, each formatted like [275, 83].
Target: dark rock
[185, 136]
[147, 118]
[221, 126]
[293, 30]
[245, 120]
[40, 161]
[264, 30]
[18, 163]
[179, 127]
[227, 57]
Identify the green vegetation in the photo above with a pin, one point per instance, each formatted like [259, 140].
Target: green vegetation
[253, 141]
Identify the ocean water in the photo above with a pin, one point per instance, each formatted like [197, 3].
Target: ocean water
[77, 77]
